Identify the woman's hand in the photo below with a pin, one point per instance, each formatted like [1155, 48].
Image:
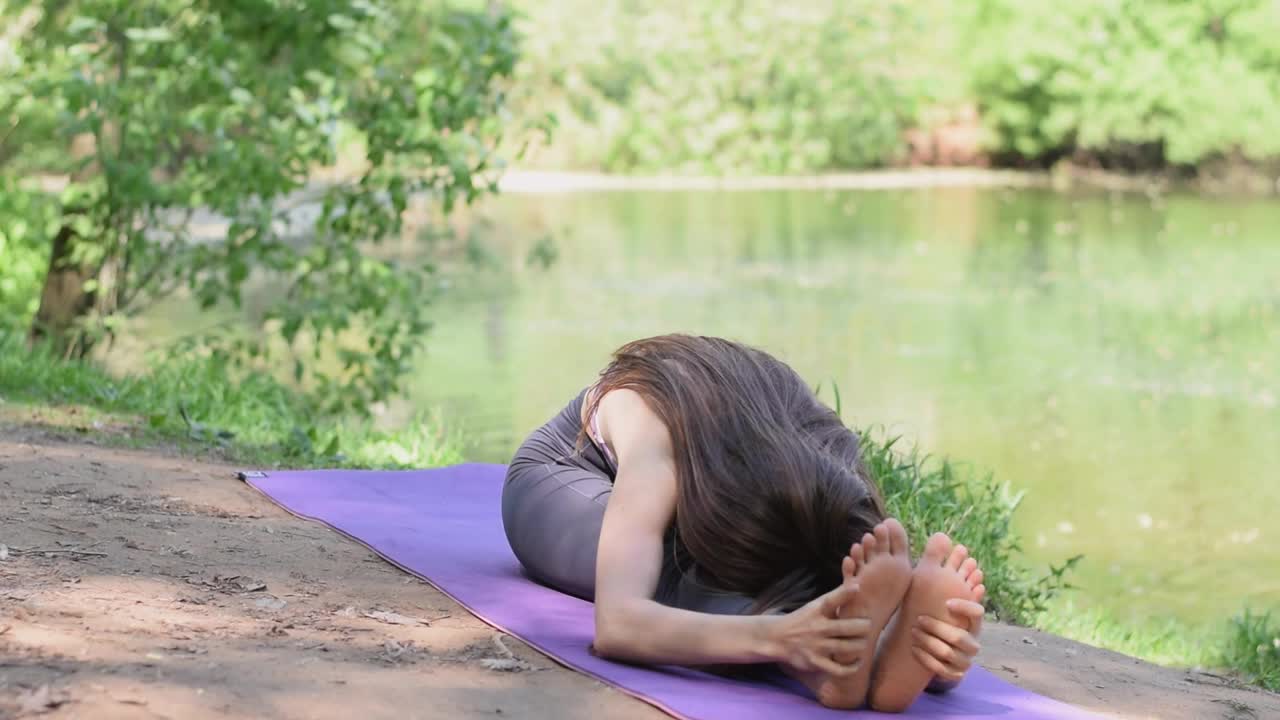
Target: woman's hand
[948, 649]
[806, 639]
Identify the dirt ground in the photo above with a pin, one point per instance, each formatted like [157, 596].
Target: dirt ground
[149, 585]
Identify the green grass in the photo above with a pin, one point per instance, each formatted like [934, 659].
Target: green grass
[200, 403]
[253, 419]
[1253, 648]
[1247, 644]
[1164, 641]
[934, 495]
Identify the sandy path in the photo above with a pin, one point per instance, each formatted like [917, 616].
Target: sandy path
[149, 585]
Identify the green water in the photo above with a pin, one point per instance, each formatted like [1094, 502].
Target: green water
[1117, 358]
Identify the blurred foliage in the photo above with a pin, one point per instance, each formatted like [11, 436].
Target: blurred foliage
[1140, 82]
[726, 86]
[27, 220]
[161, 112]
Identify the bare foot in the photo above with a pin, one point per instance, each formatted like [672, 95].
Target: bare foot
[881, 563]
[943, 573]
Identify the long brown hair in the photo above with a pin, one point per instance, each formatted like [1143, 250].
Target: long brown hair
[771, 486]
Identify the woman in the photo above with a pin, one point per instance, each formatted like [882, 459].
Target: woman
[717, 513]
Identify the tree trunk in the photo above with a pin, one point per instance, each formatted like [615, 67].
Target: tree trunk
[64, 300]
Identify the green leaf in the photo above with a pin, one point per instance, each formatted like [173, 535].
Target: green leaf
[149, 35]
[331, 450]
[341, 22]
[81, 24]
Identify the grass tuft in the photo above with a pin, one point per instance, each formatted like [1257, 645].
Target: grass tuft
[932, 495]
[1253, 648]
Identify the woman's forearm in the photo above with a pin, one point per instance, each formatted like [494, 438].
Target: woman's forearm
[639, 630]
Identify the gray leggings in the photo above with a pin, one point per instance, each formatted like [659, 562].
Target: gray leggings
[552, 509]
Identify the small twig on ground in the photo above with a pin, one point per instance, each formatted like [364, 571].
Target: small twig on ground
[63, 528]
[50, 551]
[40, 700]
[394, 618]
[508, 662]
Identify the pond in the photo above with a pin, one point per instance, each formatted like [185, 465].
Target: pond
[1117, 357]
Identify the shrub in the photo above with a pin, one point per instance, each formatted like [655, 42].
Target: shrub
[27, 220]
[1141, 82]
[724, 87]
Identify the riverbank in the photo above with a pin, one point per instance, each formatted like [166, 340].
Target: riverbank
[554, 181]
[1066, 176]
[1229, 180]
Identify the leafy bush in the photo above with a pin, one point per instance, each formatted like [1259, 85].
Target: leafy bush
[27, 220]
[929, 495]
[767, 87]
[1143, 82]
[159, 112]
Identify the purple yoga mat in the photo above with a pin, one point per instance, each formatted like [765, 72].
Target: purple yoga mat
[445, 526]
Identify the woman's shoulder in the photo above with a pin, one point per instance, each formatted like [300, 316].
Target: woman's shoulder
[622, 400]
[626, 419]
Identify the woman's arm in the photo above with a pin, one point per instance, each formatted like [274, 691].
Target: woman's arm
[630, 625]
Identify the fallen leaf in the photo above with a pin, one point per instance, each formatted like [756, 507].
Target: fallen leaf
[504, 664]
[270, 603]
[392, 618]
[394, 652]
[40, 700]
[186, 649]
